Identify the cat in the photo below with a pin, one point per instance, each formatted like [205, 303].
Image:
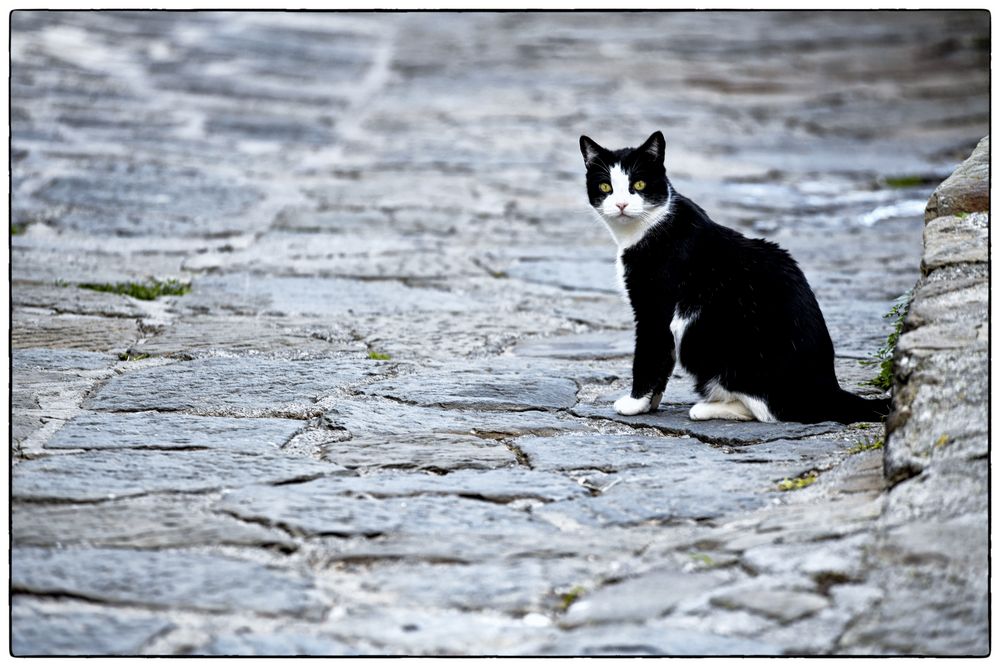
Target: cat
[735, 313]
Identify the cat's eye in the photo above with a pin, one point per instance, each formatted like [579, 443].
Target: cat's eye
[639, 185]
[605, 187]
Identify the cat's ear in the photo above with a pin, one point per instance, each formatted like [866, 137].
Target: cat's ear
[655, 146]
[591, 151]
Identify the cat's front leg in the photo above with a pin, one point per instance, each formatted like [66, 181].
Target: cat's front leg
[652, 365]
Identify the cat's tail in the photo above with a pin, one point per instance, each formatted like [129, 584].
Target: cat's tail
[848, 408]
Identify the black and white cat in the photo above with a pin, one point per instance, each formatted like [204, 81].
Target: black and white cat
[736, 313]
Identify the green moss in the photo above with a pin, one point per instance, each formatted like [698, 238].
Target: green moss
[125, 356]
[800, 482]
[962, 215]
[867, 446]
[909, 181]
[571, 596]
[379, 356]
[942, 441]
[16, 229]
[145, 291]
[884, 355]
[703, 559]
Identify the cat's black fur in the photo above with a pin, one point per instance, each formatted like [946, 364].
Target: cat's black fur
[758, 331]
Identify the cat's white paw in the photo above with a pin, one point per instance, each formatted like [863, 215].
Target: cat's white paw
[626, 405]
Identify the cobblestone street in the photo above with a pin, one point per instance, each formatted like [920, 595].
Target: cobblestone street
[372, 412]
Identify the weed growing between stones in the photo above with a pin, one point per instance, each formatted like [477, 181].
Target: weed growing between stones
[884, 356]
[16, 229]
[145, 291]
[866, 446]
[379, 356]
[570, 596]
[800, 482]
[125, 356]
[908, 181]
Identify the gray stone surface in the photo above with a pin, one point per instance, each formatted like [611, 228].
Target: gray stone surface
[165, 579]
[154, 521]
[436, 452]
[157, 430]
[93, 631]
[219, 387]
[481, 389]
[115, 473]
[341, 187]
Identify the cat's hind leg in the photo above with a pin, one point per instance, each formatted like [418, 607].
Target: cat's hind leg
[720, 410]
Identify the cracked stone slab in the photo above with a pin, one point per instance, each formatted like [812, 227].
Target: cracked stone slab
[146, 522]
[74, 300]
[36, 630]
[43, 359]
[34, 329]
[280, 643]
[515, 587]
[437, 452]
[247, 294]
[384, 418]
[157, 430]
[194, 337]
[138, 198]
[592, 345]
[649, 595]
[115, 473]
[570, 274]
[485, 388]
[325, 509]
[654, 638]
[783, 605]
[955, 240]
[239, 387]
[675, 420]
[165, 579]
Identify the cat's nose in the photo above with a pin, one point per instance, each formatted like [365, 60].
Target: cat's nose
[621, 206]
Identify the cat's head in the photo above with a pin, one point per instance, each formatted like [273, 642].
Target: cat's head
[628, 184]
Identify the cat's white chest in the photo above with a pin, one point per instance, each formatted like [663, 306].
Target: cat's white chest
[678, 326]
[620, 277]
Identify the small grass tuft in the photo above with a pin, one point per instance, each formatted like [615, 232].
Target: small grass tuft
[884, 355]
[909, 181]
[703, 559]
[17, 229]
[867, 446]
[942, 441]
[567, 599]
[379, 356]
[800, 482]
[145, 291]
[125, 356]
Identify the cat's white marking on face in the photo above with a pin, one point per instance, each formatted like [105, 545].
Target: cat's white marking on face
[720, 410]
[626, 405]
[678, 325]
[628, 229]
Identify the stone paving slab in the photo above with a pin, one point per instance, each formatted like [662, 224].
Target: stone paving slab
[313, 508]
[432, 452]
[93, 631]
[156, 430]
[115, 473]
[283, 338]
[217, 387]
[485, 389]
[165, 579]
[155, 521]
